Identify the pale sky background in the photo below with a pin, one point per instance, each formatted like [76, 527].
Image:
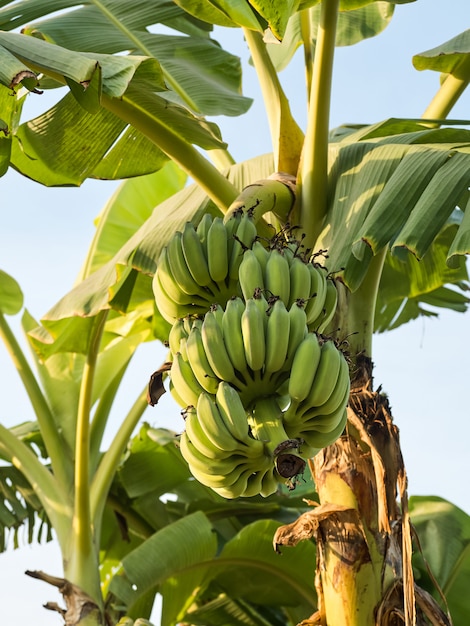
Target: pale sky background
[424, 367]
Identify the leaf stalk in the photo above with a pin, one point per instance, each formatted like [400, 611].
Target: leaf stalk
[313, 174]
[61, 465]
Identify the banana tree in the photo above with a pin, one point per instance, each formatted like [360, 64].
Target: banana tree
[387, 202]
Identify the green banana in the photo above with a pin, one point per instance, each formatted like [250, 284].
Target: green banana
[199, 362]
[168, 282]
[304, 367]
[232, 333]
[212, 472]
[250, 274]
[215, 349]
[324, 423]
[214, 426]
[202, 230]
[167, 307]
[329, 307]
[231, 225]
[195, 255]
[262, 304]
[217, 250]
[179, 267]
[176, 396]
[326, 377]
[319, 440]
[244, 237]
[198, 437]
[316, 301]
[218, 312]
[232, 412]
[252, 324]
[246, 231]
[262, 254]
[277, 337]
[177, 333]
[277, 280]
[184, 381]
[270, 484]
[299, 281]
[335, 399]
[254, 485]
[236, 489]
[297, 329]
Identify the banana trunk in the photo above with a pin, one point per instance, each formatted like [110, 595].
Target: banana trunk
[362, 534]
[359, 543]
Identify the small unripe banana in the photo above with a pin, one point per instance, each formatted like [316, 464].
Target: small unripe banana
[217, 250]
[277, 337]
[304, 367]
[277, 280]
[250, 274]
[252, 324]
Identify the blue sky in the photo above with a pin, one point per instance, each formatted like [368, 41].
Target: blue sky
[424, 366]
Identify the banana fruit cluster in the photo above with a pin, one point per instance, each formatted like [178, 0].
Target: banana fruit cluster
[251, 345]
[199, 266]
[282, 272]
[261, 387]
[220, 450]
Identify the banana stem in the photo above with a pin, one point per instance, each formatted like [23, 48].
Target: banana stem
[207, 176]
[100, 418]
[314, 162]
[112, 457]
[286, 136]
[449, 92]
[309, 49]
[43, 482]
[222, 159]
[82, 565]
[52, 440]
[267, 424]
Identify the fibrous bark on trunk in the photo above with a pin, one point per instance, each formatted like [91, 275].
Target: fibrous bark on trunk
[361, 526]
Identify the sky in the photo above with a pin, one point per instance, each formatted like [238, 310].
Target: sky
[423, 367]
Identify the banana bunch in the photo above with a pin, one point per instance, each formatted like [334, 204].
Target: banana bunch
[261, 387]
[199, 267]
[250, 345]
[220, 451]
[282, 273]
[318, 392]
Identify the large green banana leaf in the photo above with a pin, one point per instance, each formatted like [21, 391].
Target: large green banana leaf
[191, 573]
[195, 67]
[193, 74]
[444, 552]
[371, 192]
[124, 281]
[354, 24]
[395, 190]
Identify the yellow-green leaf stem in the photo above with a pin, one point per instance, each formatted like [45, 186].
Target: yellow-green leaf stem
[112, 457]
[450, 91]
[313, 174]
[286, 136]
[61, 465]
[222, 159]
[54, 499]
[100, 418]
[207, 176]
[82, 565]
[309, 48]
